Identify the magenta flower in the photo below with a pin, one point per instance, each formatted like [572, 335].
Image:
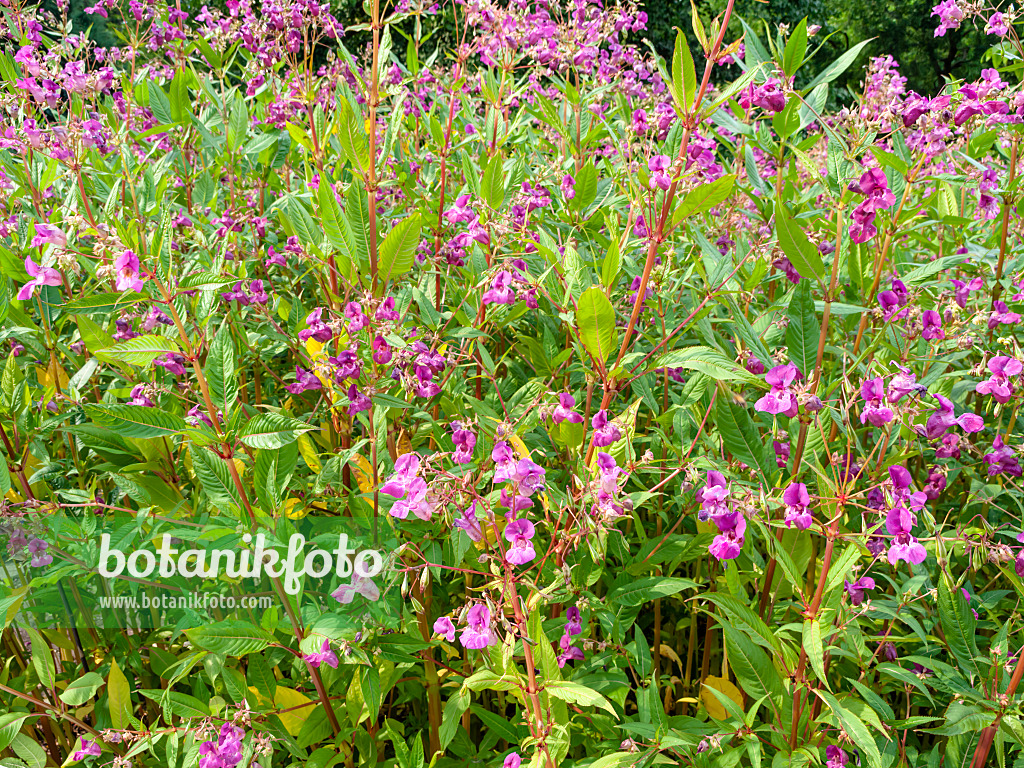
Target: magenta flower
[519, 533]
[899, 522]
[460, 212]
[781, 399]
[316, 328]
[796, 499]
[1003, 459]
[950, 15]
[932, 323]
[468, 523]
[419, 500]
[962, 290]
[49, 235]
[88, 749]
[504, 462]
[40, 276]
[605, 431]
[126, 269]
[568, 187]
[713, 497]
[857, 589]
[563, 411]
[873, 391]
[999, 385]
[324, 656]
[478, 633]
[569, 651]
[512, 760]
[465, 442]
[226, 751]
[835, 756]
[902, 384]
[172, 362]
[1001, 316]
[139, 397]
[658, 166]
[573, 621]
[406, 468]
[944, 418]
[727, 545]
[444, 627]
[996, 25]
[500, 291]
[875, 188]
[529, 476]
[304, 380]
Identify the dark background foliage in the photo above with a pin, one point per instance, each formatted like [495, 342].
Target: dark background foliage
[903, 29]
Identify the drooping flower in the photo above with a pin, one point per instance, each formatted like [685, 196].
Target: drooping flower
[467, 522]
[999, 385]
[359, 585]
[902, 384]
[568, 187]
[605, 431]
[419, 500]
[962, 290]
[465, 442]
[304, 380]
[478, 632]
[874, 411]
[40, 276]
[519, 533]
[728, 544]
[857, 589]
[899, 522]
[49, 235]
[444, 627]
[406, 468]
[835, 757]
[932, 325]
[504, 462]
[945, 417]
[780, 399]
[713, 497]
[40, 556]
[324, 656]
[1002, 459]
[87, 749]
[126, 269]
[226, 751]
[563, 411]
[501, 291]
[1001, 315]
[996, 25]
[796, 499]
[316, 328]
[769, 96]
[512, 760]
[950, 15]
[658, 166]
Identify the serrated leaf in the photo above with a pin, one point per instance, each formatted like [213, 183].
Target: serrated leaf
[135, 420]
[595, 321]
[141, 351]
[272, 430]
[232, 638]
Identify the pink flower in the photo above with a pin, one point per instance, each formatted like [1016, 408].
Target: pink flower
[478, 634]
[48, 235]
[360, 585]
[500, 291]
[658, 166]
[40, 276]
[563, 411]
[519, 533]
[126, 268]
[444, 627]
[89, 749]
[996, 25]
[796, 500]
[324, 656]
[999, 385]
[512, 760]
[873, 390]
[781, 399]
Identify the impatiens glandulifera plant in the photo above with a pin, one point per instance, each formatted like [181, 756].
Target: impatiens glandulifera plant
[679, 413]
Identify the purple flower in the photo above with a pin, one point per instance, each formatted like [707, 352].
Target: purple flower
[569, 651]
[563, 411]
[796, 499]
[857, 589]
[873, 391]
[519, 533]
[460, 212]
[315, 328]
[360, 585]
[478, 633]
[465, 442]
[781, 399]
[713, 497]
[500, 291]
[172, 362]
[962, 289]
[835, 757]
[226, 751]
[901, 385]
[418, 500]
[468, 523]
[126, 269]
[899, 522]
[324, 656]
[49, 235]
[573, 621]
[512, 760]
[769, 96]
[568, 187]
[304, 380]
[40, 276]
[605, 431]
[444, 627]
[40, 556]
[999, 385]
[406, 468]
[727, 545]
[658, 166]
[1003, 459]
[932, 322]
[944, 418]
[88, 749]
[139, 397]
[528, 476]
[1001, 315]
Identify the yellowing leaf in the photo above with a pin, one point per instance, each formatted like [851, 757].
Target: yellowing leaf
[309, 454]
[294, 510]
[363, 471]
[404, 444]
[519, 445]
[722, 685]
[313, 347]
[287, 699]
[47, 378]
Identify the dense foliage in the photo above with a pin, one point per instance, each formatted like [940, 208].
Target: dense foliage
[672, 416]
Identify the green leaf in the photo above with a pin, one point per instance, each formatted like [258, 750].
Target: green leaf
[232, 638]
[958, 624]
[610, 265]
[639, 591]
[274, 469]
[119, 698]
[704, 197]
[854, 727]
[451, 719]
[815, 649]
[220, 371]
[804, 331]
[837, 67]
[794, 243]
[42, 659]
[708, 361]
[135, 420]
[356, 225]
[575, 693]
[238, 123]
[81, 690]
[787, 122]
[595, 321]
[181, 104]
[141, 351]
[398, 251]
[742, 438]
[215, 478]
[269, 431]
[330, 215]
[352, 136]
[754, 671]
[684, 75]
[492, 185]
[796, 49]
[10, 725]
